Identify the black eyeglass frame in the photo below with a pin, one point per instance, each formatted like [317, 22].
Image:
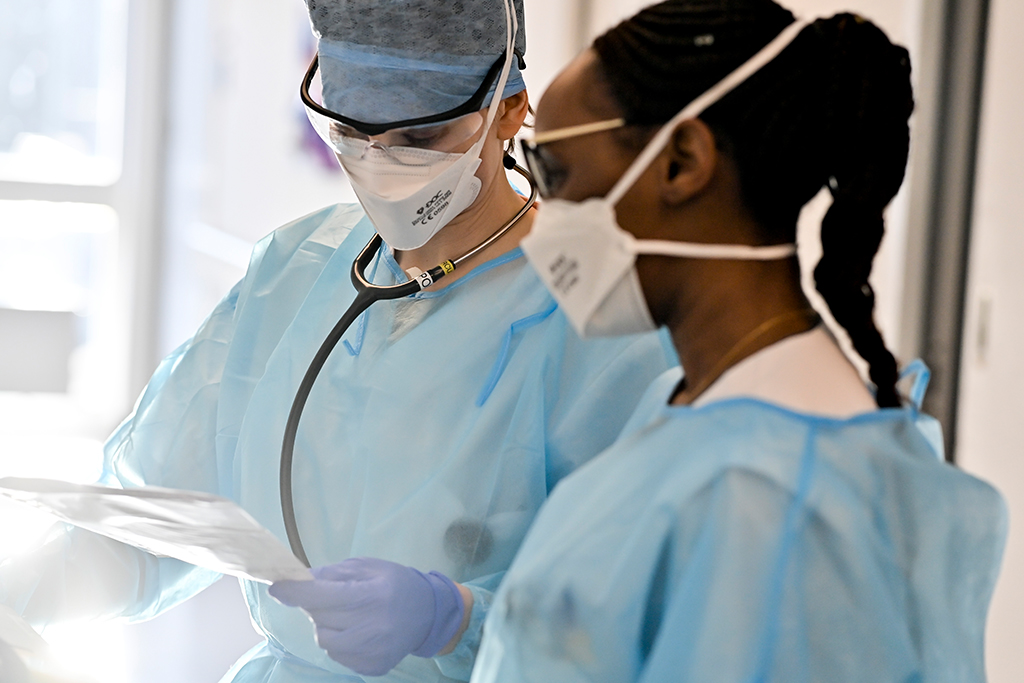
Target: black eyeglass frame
[535, 165]
[474, 103]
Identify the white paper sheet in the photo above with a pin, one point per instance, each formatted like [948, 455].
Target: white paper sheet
[198, 528]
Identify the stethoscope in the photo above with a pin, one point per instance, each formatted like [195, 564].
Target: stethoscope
[366, 294]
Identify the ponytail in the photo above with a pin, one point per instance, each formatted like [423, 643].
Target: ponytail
[867, 141]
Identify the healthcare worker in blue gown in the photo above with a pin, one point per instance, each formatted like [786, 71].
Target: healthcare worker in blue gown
[438, 426]
[770, 518]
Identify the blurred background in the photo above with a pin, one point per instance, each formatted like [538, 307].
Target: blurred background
[146, 145]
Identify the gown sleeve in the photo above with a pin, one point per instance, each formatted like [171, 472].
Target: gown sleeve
[168, 440]
[761, 588]
[458, 664]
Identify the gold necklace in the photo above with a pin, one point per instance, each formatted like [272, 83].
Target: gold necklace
[790, 322]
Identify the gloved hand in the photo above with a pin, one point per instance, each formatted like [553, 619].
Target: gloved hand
[369, 613]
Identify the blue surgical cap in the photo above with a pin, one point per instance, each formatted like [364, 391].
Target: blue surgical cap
[392, 60]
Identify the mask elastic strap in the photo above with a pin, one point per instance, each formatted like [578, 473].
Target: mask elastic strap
[511, 29]
[736, 252]
[696, 107]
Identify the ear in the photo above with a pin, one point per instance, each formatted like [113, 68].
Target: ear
[689, 162]
[511, 115]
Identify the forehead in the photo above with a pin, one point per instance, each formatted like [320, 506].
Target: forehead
[577, 95]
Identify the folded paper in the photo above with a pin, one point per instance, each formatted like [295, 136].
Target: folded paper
[198, 528]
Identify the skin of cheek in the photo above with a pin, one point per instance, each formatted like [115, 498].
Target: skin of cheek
[591, 165]
[639, 212]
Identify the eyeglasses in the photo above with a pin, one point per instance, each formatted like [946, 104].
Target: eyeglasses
[442, 132]
[547, 172]
[437, 137]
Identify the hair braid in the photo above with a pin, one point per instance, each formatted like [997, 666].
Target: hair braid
[870, 102]
[832, 109]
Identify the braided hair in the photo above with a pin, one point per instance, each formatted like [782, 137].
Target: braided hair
[831, 110]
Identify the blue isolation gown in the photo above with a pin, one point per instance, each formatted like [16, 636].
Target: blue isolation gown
[743, 542]
[431, 437]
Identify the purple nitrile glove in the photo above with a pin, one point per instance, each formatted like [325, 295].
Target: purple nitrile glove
[369, 613]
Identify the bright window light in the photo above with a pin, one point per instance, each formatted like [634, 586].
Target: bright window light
[52, 254]
[93, 650]
[62, 66]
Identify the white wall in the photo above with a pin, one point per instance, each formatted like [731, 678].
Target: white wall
[992, 380]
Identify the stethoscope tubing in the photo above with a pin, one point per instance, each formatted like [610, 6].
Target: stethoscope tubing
[367, 294]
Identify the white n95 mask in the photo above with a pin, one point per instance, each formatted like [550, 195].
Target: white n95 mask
[410, 194]
[588, 262]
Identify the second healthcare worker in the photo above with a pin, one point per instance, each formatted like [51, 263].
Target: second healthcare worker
[770, 518]
[438, 426]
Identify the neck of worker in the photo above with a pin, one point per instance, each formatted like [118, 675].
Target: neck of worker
[711, 306]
